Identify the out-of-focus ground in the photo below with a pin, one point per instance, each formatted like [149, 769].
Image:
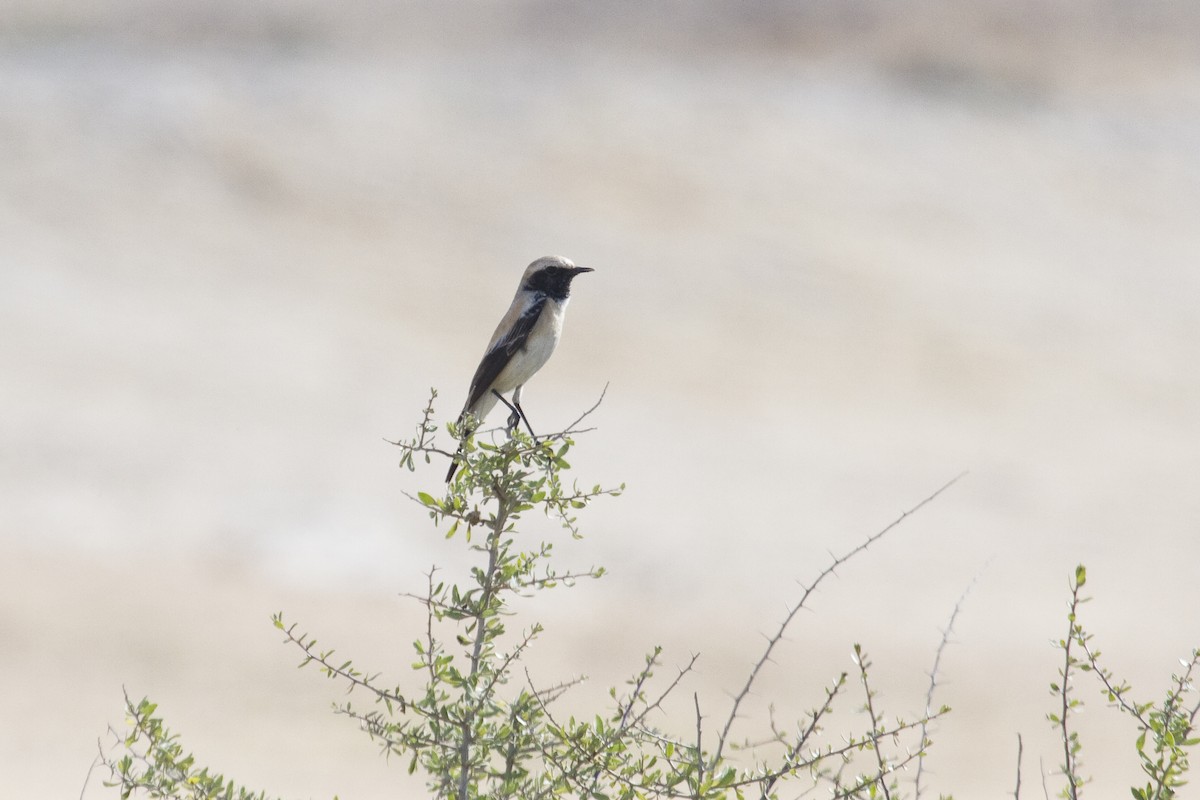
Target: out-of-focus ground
[843, 252]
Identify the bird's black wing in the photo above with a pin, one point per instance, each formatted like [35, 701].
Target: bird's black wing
[497, 358]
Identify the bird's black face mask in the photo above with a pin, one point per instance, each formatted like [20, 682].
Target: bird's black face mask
[554, 282]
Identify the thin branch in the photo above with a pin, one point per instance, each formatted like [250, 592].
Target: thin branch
[861, 658]
[808, 590]
[852, 746]
[353, 677]
[808, 732]
[663, 790]
[933, 676]
[853, 791]
[430, 642]
[501, 672]
[97, 761]
[562, 577]
[376, 726]
[663, 696]
[1185, 684]
[1020, 753]
[588, 755]
[426, 432]
[1070, 761]
[571, 428]
[552, 693]
[1116, 692]
[638, 685]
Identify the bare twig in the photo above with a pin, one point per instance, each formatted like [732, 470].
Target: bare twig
[571, 428]
[97, 761]
[808, 590]
[1020, 753]
[552, 693]
[670, 688]
[933, 677]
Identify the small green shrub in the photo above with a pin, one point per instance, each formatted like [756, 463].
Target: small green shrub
[1170, 726]
[471, 720]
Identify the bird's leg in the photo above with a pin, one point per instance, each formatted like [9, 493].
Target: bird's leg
[514, 423]
[528, 427]
[518, 413]
[514, 418]
[521, 412]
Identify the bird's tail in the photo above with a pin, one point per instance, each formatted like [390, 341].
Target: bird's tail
[462, 418]
[454, 465]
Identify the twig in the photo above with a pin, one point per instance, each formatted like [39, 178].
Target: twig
[427, 431]
[376, 726]
[854, 791]
[860, 658]
[808, 590]
[587, 756]
[97, 761]
[835, 752]
[1020, 752]
[804, 736]
[353, 677]
[552, 693]
[501, 673]
[670, 688]
[642, 677]
[933, 676]
[571, 428]
[1070, 761]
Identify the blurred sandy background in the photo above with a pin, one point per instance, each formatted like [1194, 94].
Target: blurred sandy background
[843, 251]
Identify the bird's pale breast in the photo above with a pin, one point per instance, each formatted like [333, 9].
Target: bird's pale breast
[538, 348]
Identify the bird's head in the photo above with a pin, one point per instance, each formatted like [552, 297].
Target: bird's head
[552, 276]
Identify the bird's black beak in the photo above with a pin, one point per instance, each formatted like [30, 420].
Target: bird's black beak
[581, 270]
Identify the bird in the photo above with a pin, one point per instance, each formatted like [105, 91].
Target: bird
[522, 344]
